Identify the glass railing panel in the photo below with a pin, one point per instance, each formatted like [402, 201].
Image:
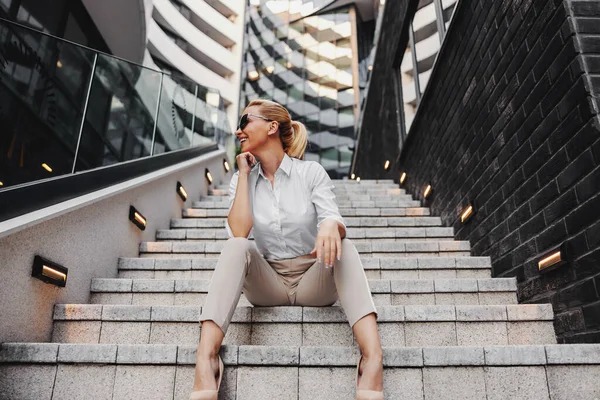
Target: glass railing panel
[43, 85]
[120, 116]
[173, 131]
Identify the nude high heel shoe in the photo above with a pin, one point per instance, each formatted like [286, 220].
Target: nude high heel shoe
[210, 394]
[366, 394]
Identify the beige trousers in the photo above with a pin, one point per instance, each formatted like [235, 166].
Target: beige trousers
[301, 281]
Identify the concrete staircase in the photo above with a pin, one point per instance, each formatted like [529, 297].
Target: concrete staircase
[449, 330]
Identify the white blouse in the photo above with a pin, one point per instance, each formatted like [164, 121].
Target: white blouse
[287, 215]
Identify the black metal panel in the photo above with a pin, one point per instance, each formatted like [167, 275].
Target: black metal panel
[378, 138]
[21, 200]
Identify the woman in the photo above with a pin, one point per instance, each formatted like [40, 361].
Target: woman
[289, 206]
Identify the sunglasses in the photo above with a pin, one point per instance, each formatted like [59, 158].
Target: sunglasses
[244, 120]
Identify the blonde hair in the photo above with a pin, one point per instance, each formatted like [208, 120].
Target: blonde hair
[292, 133]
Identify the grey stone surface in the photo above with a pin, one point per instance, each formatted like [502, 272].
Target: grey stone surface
[267, 383]
[239, 334]
[269, 355]
[144, 382]
[131, 274]
[473, 262]
[192, 286]
[399, 263]
[87, 353]
[404, 382]
[27, 382]
[573, 354]
[402, 357]
[156, 247]
[135, 263]
[391, 334]
[280, 334]
[125, 313]
[457, 298]
[530, 312]
[497, 298]
[379, 286]
[328, 356]
[187, 223]
[153, 299]
[430, 313]
[451, 383]
[412, 286]
[326, 383]
[455, 285]
[437, 274]
[277, 314]
[76, 331]
[574, 382]
[422, 247]
[180, 264]
[201, 234]
[428, 334]
[153, 286]
[453, 356]
[480, 313]
[390, 313]
[189, 247]
[146, 354]
[531, 332]
[326, 334]
[526, 383]
[435, 263]
[413, 299]
[125, 332]
[84, 382]
[497, 285]
[455, 246]
[28, 352]
[166, 234]
[186, 355]
[481, 333]
[175, 313]
[111, 285]
[323, 314]
[514, 355]
[174, 333]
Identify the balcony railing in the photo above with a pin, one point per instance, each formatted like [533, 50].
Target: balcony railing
[65, 108]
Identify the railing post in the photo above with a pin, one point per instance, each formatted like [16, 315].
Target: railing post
[194, 116]
[162, 76]
[439, 19]
[413, 52]
[87, 100]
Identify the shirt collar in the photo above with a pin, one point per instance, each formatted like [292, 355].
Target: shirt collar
[285, 166]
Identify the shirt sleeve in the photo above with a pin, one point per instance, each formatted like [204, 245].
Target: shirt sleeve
[232, 188]
[322, 196]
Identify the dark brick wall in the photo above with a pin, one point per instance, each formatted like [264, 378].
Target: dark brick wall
[510, 122]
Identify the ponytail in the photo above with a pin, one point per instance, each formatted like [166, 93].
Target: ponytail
[297, 145]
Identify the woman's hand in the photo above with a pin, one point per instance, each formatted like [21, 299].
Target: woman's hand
[328, 245]
[245, 162]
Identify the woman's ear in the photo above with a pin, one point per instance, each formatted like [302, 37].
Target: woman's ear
[273, 127]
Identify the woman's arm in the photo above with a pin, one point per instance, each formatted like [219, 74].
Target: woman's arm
[239, 218]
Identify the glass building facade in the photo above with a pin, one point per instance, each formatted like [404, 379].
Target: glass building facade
[308, 63]
[426, 34]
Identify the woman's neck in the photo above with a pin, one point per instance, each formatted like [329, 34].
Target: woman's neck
[270, 161]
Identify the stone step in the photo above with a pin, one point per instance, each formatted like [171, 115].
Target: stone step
[340, 196]
[343, 190]
[375, 268]
[212, 220]
[308, 326]
[61, 371]
[213, 233]
[342, 204]
[385, 292]
[344, 212]
[374, 247]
